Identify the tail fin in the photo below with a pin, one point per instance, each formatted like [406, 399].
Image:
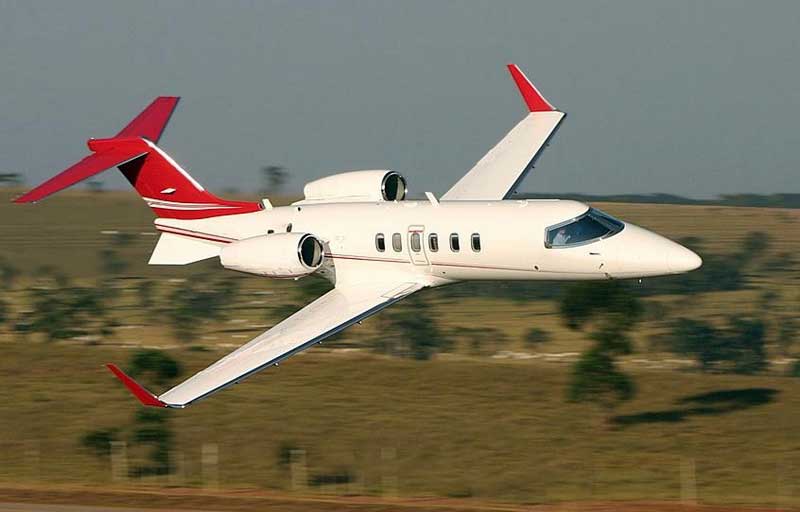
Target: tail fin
[163, 184]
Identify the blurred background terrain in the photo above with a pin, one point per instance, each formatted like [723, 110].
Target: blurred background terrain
[474, 391]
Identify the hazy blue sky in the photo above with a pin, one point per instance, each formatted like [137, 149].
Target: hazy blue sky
[695, 98]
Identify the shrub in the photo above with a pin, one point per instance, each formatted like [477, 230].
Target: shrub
[595, 377]
[99, 441]
[737, 348]
[411, 331]
[535, 336]
[4, 309]
[479, 340]
[199, 300]
[163, 367]
[583, 301]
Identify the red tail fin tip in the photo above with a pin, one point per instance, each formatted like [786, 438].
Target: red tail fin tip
[150, 123]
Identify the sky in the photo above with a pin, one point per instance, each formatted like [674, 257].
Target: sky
[697, 98]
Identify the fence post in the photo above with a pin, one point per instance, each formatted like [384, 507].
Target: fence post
[178, 474]
[389, 481]
[688, 482]
[783, 484]
[33, 459]
[209, 460]
[298, 469]
[119, 461]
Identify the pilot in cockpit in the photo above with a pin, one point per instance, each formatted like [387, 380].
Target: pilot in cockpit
[562, 237]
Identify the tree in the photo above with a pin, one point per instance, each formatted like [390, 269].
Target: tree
[595, 377]
[60, 310]
[4, 309]
[161, 366]
[410, 331]
[480, 340]
[99, 441]
[8, 274]
[112, 263]
[274, 178]
[144, 290]
[614, 310]
[787, 333]
[95, 186]
[199, 300]
[582, 302]
[10, 179]
[536, 336]
[738, 348]
[149, 435]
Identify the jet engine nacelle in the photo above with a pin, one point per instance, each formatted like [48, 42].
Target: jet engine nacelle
[280, 255]
[356, 186]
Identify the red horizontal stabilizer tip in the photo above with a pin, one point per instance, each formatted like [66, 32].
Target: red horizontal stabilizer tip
[532, 97]
[144, 396]
[151, 122]
[86, 168]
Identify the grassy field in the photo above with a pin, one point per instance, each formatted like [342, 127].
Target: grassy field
[490, 430]
[461, 425]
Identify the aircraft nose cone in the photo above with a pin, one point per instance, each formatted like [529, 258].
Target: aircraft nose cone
[680, 259]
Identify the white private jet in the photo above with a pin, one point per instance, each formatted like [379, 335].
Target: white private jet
[357, 230]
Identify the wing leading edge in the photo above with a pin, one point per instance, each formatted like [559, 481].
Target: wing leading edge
[326, 316]
[497, 175]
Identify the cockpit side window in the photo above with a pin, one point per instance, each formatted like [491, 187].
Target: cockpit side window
[592, 225]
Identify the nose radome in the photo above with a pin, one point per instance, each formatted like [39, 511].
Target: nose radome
[680, 259]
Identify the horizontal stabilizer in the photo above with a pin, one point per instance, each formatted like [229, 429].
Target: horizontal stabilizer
[173, 249]
[86, 168]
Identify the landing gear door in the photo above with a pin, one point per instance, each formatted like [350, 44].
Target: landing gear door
[416, 245]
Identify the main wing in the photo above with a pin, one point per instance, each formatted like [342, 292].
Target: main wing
[497, 175]
[329, 314]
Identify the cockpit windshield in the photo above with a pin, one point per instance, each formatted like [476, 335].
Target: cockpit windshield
[592, 225]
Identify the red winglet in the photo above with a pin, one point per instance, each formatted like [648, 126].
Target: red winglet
[533, 98]
[144, 396]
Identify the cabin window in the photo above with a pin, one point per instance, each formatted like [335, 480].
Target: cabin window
[589, 227]
[476, 242]
[380, 242]
[416, 244]
[433, 242]
[455, 246]
[397, 242]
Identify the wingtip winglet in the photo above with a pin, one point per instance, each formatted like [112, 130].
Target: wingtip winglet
[144, 396]
[532, 97]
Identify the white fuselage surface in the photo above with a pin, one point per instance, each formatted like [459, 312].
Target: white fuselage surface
[496, 240]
